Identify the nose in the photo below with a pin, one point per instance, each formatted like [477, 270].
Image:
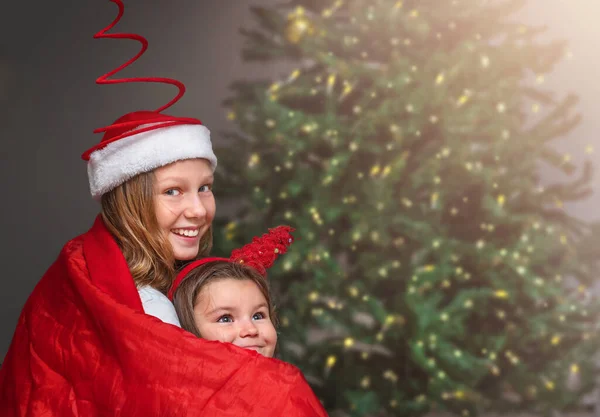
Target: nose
[195, 207]
[248, 329]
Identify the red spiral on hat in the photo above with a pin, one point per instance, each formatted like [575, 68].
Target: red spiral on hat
[125, 125]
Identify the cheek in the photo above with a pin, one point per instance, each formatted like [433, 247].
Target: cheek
[271, 335]
[274, 337]
[164, 214]
[270, 339]
[227, 335]
[211, 208]
[219, 333]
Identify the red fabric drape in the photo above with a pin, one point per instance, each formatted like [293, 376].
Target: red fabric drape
[83, 347]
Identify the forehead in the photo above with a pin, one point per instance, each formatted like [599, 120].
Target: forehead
[183, 169]
[231, 291]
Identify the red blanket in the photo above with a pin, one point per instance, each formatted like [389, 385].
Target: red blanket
[83, 347]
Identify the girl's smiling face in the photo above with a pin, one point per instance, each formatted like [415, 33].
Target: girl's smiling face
[235, 311]
[184, 204]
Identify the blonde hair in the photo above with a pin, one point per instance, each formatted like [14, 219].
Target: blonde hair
[187, 293]
[128, 213]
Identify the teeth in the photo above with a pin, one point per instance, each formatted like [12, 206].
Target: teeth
[186, 232]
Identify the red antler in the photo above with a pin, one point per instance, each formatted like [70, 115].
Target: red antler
[261, 253]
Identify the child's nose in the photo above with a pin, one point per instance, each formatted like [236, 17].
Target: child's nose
[248, 329]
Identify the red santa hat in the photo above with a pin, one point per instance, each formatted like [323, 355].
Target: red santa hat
[260, 254]
[142, 141]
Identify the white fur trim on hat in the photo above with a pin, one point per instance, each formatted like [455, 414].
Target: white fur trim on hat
[125, 158]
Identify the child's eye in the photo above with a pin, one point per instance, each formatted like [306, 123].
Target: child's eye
[172, 192]
[225, 319]
[205, 188]
[258, 316]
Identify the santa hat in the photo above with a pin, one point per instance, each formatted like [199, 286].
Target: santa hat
[260, 254]
[142, 141]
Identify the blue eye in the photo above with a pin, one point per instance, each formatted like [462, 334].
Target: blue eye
[205, 188]
[225, 319]
[258, 316]
[172, 192]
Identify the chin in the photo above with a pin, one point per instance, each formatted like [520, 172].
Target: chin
[268, 353]
[185, 255]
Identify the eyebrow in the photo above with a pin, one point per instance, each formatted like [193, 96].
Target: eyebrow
[176, 178]
[229, 309]
[219, 310]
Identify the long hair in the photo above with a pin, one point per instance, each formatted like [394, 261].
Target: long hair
[128, 213]
[187, 293]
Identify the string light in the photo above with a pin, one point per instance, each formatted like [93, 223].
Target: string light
[362, 165]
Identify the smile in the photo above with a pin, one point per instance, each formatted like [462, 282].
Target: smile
[186, 232]
[255, 348]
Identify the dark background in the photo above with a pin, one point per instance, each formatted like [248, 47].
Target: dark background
[50, 104]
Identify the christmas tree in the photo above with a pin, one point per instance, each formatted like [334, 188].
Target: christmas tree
[433, 270]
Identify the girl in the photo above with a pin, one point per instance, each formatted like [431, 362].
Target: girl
[162, 216]
[86, 343]
[229, 300]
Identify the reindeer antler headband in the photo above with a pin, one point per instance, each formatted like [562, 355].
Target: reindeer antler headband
[260, 254]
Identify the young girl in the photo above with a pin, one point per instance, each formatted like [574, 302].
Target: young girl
[229, 300]
[86, 343]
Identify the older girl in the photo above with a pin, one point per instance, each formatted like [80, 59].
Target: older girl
[91, 339]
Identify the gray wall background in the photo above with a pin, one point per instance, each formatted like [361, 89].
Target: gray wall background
[49, 105]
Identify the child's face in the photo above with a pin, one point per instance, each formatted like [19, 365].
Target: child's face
[235, 311]
[184, 204]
